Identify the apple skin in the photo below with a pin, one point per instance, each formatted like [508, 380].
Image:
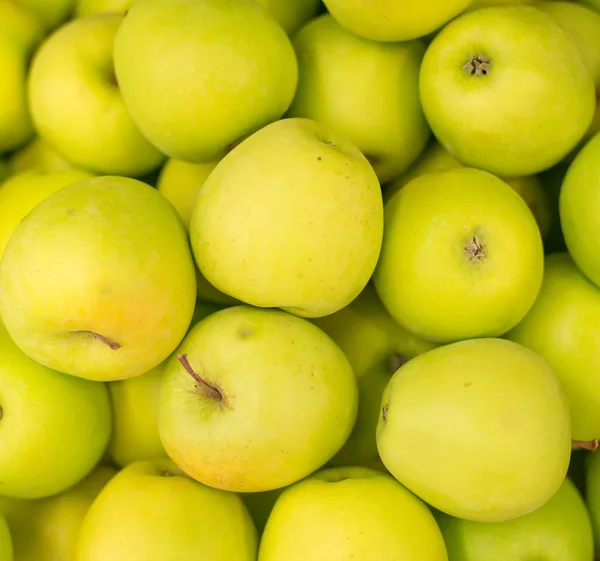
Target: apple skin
[76, 105]
[22, 192]
[380, 111]
[474, 116]
[431, 276]
[267, 369]
[394, 20]
[98, 281]
[151, 512]
[478, 429]
[560, 530]
[291, 14]
[218, 70]
[48, 529]
[84, 8]
[62, 419]
[6, 549]
[350, 513]
[300, 181]
[579, 206]
[38, 155]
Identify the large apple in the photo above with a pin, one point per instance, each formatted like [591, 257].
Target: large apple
[366, 90]
[54, 427]
[291, 14]
[479, 429]
[85, 8]
[38, 155]
[560, 530]
[350, 513]
[76, 103]
[98, 280]
[254, 400]
[462, 256]
[217, 70]
[151, 512]
[319, 201]
[483, 78]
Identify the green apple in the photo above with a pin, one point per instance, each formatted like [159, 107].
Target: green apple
[482, 79]
[366, 90]
[151, 512]
[38, 155]
[98, 281]
[217, 69]
[479, 429]
[350, 513]
[235, 398]
[579, 207]
[6, 549]
[48, 529]
[291, 14]
[22, 192]
[318, 198]
[76, 103]
[84, 8]
[55, 428]
[560, 530]
[394, 20]
[20, 34]
[462, 256]
[562, 327]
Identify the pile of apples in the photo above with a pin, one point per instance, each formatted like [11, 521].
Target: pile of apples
[284, 280]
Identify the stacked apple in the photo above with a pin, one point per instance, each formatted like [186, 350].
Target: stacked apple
[283, 280]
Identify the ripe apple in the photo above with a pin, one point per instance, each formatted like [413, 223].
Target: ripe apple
[6, 549]
[482, 79]
[462, 256]
[579, 206]
[254, 400]
[76, 103]
[479, 429]
[350, 513]
[98, 280]
[291, 14]
[55, 428]
[560, 530]
[217, 69]
[38, 155]
[394, 20]
[22, 192]
[318, 198]
[151, 512]
[84, 8]
[380, 112]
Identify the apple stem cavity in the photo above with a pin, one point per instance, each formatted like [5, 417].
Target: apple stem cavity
[384, 412]
[591, 445]
[478, 65]
[208, 391]
[110, 344]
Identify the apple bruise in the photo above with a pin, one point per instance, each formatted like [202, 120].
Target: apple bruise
[203, 387]
[478, 65]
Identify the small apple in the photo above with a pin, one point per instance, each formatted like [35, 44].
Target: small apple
[84, 8]
[98, 281]
[76, 103]
[291, 14]
[55, 428]
[38, 155]
[366, 90]
[151, 512]
[318, 198]
[478, 429]
[350, 513]
[462, 256]
[254, 400]
[217, 71]
[482, 79]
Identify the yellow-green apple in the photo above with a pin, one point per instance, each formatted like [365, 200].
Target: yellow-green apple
[76, 104]
[38, 155]
[22, 192]
[478, 87]
[6, 549]
[52, 13]
[218, 70]
[381, 112]
[479, 429]
[462, 256]
[20, 34]
[579, 206]
[151, 512]
[48, 529]
[291, 14]
[318, 198]
[394, 20]
[254, 400]
[563, 327]
[55, 428]
[560, 530]
[98, 281]
[350, 513]
[376, 346]
[84, 8]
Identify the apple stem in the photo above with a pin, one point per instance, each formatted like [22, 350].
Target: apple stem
[110, 344]
[591, 445]
[478, 66]
[210, 391]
